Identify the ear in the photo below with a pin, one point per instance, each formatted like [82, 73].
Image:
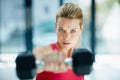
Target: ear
[81, 27]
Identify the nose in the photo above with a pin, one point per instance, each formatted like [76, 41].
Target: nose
[66, 36]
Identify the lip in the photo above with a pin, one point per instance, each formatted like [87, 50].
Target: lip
[66, 43]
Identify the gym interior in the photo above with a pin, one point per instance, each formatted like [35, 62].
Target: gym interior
[25, 24]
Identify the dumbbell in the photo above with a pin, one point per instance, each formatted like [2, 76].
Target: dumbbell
[81, 63]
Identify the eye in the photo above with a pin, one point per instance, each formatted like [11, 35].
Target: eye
[60, 30]
[73, 31]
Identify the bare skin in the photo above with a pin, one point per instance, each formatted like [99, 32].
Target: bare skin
[68, 34]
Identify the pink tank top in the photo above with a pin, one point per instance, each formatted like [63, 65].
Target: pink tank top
[69, 75]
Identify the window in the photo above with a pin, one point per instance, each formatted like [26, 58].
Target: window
[107, 26]
[12, 26]
[44, 19]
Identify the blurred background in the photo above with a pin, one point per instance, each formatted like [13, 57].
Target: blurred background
[25, 24]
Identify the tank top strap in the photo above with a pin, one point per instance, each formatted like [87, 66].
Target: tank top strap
[54, 47]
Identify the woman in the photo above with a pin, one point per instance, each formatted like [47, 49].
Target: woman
[69, 26]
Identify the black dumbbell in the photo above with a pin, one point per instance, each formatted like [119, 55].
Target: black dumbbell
[81, 63]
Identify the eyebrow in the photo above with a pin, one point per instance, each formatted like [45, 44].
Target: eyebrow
[63, 28]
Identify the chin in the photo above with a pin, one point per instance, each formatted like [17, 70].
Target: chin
[66, 46]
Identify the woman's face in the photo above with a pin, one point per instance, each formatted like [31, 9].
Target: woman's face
[68, 32]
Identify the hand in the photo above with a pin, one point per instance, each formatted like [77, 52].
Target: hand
[55, 63]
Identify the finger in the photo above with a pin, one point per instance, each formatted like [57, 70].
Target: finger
[51, 67]
[47, 66]
[56, 68]
[63, 68]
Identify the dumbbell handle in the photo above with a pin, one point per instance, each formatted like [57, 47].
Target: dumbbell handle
[40, 63]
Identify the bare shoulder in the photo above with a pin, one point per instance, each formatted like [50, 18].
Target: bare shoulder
[41, 51]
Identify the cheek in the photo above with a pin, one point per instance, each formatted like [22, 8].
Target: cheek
[75, 36]
[59, 36]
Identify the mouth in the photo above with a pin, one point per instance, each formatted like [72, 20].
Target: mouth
[66, 43]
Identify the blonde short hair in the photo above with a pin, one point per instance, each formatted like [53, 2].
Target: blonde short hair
[70, 10]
